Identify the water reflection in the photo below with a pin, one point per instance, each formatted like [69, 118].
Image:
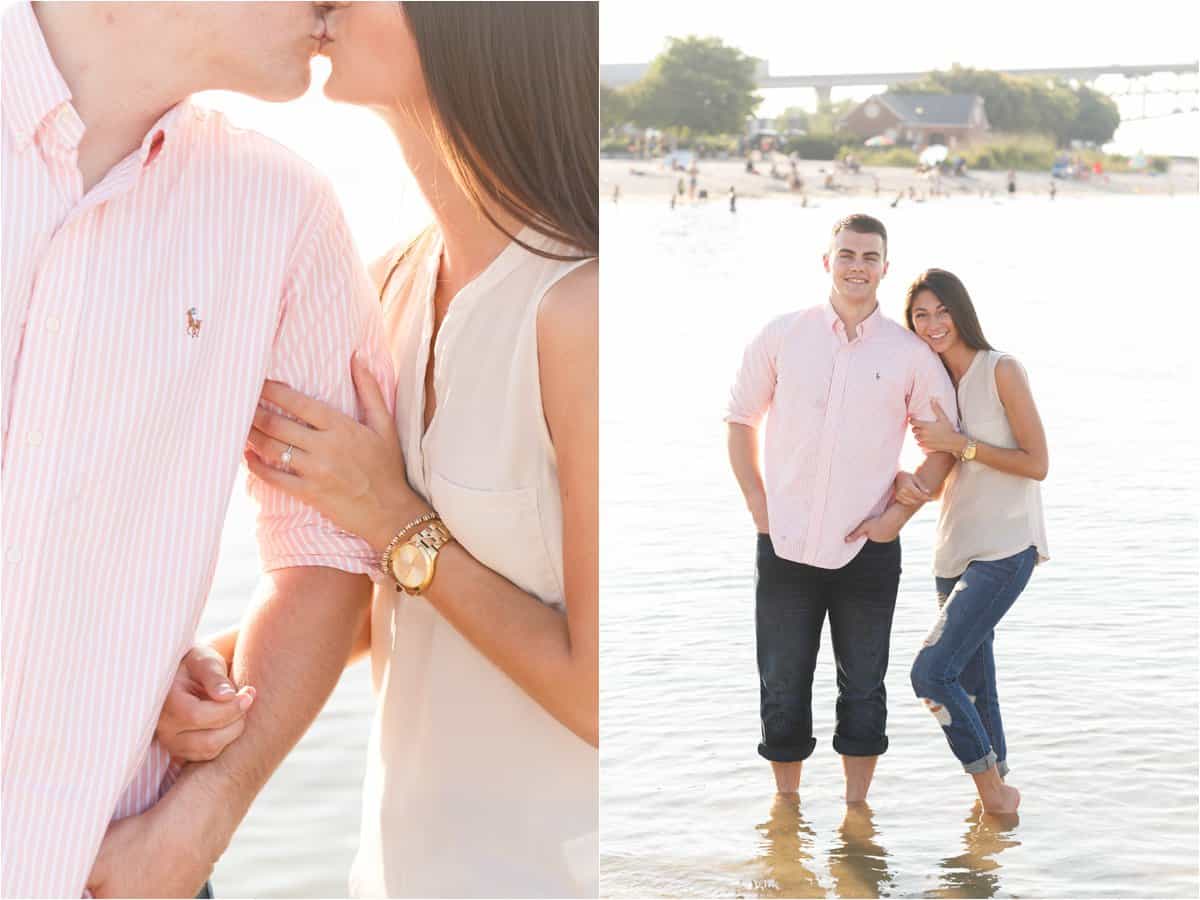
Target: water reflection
[976, 872]
[858, 863]
[787, 852]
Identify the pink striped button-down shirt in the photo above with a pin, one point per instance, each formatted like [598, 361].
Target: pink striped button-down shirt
[838, 414]
[139, 322]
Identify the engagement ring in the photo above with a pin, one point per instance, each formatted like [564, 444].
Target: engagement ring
[285, 458]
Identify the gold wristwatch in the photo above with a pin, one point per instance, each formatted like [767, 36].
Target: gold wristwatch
[412, 563]
[968, 452]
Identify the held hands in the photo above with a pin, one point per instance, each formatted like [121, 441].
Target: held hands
[938, 435]
[909, 491]
[203, 713]
[351, 473]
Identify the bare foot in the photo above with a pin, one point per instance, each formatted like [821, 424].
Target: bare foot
[1004, 802]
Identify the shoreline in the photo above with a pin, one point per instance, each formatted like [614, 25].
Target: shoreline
[650, 179]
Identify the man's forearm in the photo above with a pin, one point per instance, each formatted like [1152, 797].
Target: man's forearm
[292, 648]
[225, 643]
[934, 471]
[743, 457]
[897, 514]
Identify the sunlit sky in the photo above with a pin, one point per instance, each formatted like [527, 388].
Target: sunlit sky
[348, 144]
[383, 206]
[876, 36]
[812, 38]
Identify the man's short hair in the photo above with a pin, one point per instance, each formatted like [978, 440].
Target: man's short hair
[861, 223]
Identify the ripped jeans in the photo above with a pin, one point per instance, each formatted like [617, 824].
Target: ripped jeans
[955, 672]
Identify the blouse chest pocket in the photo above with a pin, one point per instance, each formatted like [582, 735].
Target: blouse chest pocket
[991, 429]
[501, 529]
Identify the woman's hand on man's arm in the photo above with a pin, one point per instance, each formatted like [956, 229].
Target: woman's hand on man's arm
[204, 711]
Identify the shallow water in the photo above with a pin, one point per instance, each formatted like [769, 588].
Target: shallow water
[1097, 661]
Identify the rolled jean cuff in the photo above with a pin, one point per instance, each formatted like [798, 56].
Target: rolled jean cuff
[794, 753]
[981, 765]
[1002, 768]
[859, 747]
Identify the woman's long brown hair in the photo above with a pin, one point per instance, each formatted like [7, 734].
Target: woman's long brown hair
[953, 295]
[515, 95]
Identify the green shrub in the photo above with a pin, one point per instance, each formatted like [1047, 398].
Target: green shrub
[1017, 151]
[711, 144]
[815, 146]
[892, 157]
[614, 146]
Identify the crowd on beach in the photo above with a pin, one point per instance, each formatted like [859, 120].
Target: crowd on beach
[680, 178]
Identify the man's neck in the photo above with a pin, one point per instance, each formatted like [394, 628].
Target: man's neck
[94, 47]
[852, 312]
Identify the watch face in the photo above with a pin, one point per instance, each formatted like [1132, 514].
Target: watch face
[410, 566]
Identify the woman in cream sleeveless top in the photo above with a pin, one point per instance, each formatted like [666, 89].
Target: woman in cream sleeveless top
[472, 787]
[991, 532]
[987, 514]
[480, 493]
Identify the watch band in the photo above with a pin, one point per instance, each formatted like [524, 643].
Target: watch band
[433, 536]
[428, 541]
[385, 560]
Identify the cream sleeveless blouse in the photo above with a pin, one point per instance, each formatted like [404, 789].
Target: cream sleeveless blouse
[986, 514]
[472, 789]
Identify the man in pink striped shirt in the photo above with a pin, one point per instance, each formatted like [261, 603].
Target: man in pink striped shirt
[158, 265]
[837, 384]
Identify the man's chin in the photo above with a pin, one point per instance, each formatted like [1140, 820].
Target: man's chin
[282, 90]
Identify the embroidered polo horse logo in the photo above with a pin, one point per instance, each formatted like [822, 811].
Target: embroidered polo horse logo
[194, 322]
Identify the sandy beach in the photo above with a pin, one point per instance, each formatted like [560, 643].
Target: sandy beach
[652, 179]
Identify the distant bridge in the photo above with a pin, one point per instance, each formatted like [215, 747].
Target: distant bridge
[622, 74]
[1076, 73]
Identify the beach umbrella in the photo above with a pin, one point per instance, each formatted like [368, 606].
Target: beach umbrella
[934, 154]
[880, 140]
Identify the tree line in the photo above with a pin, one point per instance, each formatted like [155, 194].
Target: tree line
[699, 85]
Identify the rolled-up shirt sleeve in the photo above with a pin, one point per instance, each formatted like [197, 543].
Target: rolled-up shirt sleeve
[754, 386]
[930, 382]
[329, 311]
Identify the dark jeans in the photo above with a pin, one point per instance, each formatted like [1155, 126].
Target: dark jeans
[206, 892]
[955, 672]
[791, 600]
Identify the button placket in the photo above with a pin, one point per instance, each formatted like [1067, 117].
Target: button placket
[833, 417]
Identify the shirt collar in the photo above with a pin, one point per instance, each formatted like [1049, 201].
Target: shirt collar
[865, 328]
[33, 86]
[170, 121]
[34, 89]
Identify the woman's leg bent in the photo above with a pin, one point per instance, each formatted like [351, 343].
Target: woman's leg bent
[978, 679]
[981, 596]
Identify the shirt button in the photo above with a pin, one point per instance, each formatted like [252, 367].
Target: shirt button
[13, 555]
[53, 324]
[34, 439]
